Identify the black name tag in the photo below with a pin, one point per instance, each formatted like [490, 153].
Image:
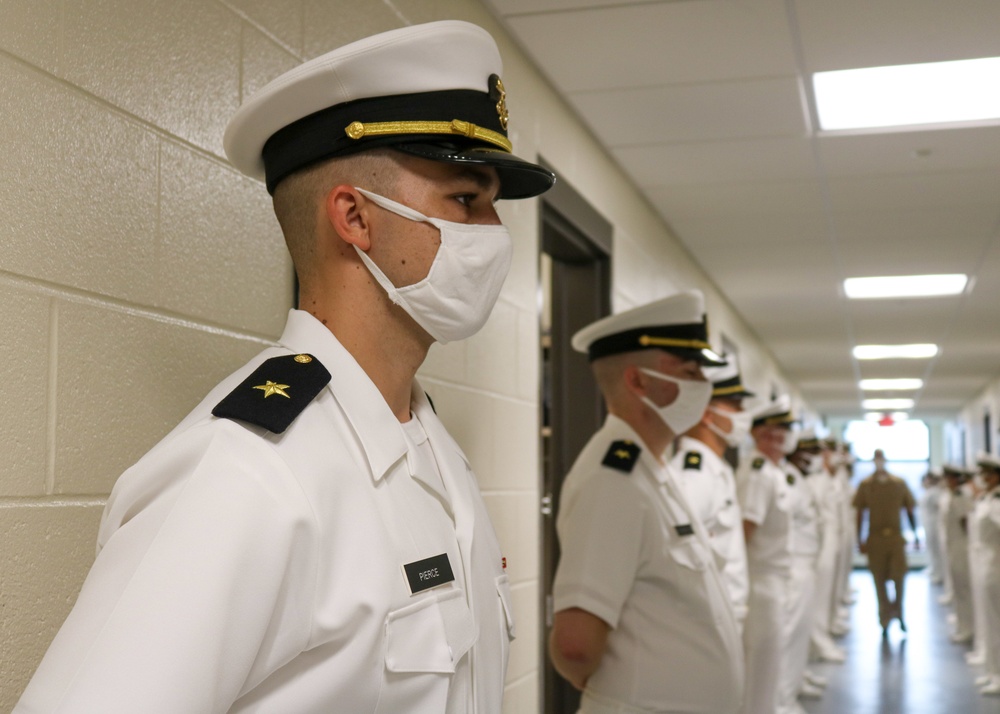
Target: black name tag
[684, 530]
[428, 573]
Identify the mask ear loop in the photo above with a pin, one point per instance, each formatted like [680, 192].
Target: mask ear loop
[399, 209]
[393, 207]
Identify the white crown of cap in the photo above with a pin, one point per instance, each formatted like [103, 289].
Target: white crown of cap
[781, 405]
[435, 56]
[985, 459]
[679, 309]
[808, 434]
[720, 374]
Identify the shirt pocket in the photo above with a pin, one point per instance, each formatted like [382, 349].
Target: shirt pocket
[430, 635]
[728, 517]
[688, 552]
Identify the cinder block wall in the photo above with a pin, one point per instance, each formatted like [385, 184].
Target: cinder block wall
[137, 269]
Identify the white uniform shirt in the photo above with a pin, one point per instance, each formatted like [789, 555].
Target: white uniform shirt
[242, 571]
[633, 555]
[984, 536]
[766, 500]
[805, 529]
[709, 485]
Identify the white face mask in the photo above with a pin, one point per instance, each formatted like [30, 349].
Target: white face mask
[813, 463]
[457, 296]
[741, 422]
[791, 442]
[689, 406]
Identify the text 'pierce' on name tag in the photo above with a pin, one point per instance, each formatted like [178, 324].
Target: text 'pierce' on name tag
[428, 573]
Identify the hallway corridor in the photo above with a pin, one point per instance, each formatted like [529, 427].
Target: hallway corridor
[920, 672]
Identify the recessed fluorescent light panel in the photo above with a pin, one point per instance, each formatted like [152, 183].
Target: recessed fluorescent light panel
[909, 94]
[880, 385]
[896, 286]
[887, 404]
[916, 351]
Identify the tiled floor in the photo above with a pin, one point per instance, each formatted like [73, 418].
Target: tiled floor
[921, 672]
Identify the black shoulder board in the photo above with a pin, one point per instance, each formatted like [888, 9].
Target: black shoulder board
[622, 456]
[431, 402]
[692, 460]
[276, 392]
[757, 463]
[996, 495]
[790, 479]
[685, 529]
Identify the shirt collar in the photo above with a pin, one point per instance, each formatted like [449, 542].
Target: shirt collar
[375, 425]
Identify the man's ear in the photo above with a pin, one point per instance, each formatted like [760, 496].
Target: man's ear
[347, 212]
[634, 380]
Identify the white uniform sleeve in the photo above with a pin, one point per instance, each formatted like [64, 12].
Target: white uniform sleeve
[755, 495]
[187, 591]
[601, 540]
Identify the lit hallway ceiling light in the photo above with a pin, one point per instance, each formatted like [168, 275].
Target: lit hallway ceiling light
[907, 95]
[881, 385]
[896, 286]
[887, 404]
[915, 351]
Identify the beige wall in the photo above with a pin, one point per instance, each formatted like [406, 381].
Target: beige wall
[137, 268]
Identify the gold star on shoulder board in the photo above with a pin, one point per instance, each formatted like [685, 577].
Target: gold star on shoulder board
[270, 388]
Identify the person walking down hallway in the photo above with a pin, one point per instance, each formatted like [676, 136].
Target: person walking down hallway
[883, 496]
[643, 620]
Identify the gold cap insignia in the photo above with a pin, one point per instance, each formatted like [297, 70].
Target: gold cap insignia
[498, 94]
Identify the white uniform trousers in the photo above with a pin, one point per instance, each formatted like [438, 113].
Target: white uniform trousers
[763, 641]
[823, 597]
[976, 589]
[797, 627]
[961, 587]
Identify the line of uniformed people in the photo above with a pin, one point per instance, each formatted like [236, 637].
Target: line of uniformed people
[962, 517]
[669, 554]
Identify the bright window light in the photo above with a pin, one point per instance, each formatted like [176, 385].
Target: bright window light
[900, 416]
[879, 385]
[887, 404]
[916, 351]
[904, 95]
[893, 286]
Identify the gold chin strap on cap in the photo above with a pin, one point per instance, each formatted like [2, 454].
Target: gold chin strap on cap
[723, 391]
[648, 340]
[358, 130]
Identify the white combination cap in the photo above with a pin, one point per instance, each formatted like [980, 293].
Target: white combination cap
[776, 413]
[676, 324]
[431, 90]
[727, 383]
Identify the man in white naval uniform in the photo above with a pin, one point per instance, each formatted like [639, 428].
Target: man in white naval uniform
[978, 656]
[643, 620]
[310, 538]
[766, 497]
[956, 517]
[929, 505]
[985, 553]
[708, 480]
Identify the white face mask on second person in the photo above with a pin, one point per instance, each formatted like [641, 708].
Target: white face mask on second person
[741, 422]
[462, 285]
[791, 441]
[689, 406]
[813, 463]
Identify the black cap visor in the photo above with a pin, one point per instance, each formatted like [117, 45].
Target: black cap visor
[518, 178]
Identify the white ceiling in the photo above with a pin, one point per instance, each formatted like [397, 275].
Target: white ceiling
[707, 105]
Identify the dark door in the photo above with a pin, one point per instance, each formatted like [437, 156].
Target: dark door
[576, 246]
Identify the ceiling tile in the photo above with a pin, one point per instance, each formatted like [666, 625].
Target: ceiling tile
[718, 162]
[861, 33]
[694, 112]
[651, 44]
